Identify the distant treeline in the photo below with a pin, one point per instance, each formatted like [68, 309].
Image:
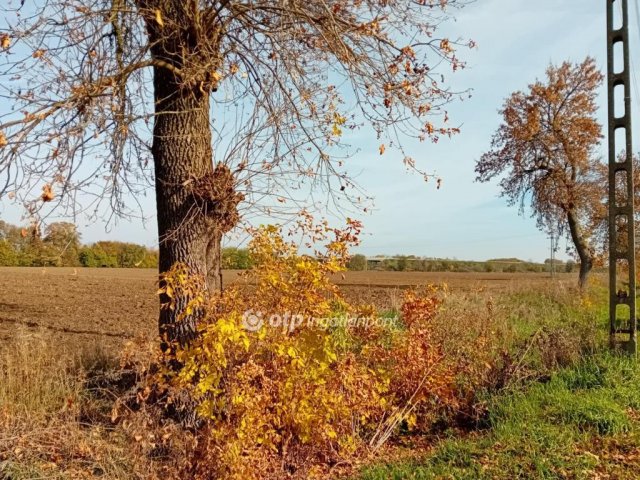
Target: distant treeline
[240, 259]
[59, 245]
[403, 263]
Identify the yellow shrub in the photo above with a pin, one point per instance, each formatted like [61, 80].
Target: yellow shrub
[296, 395]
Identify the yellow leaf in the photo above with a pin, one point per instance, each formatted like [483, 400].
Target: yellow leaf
[382, 149]
[159, 17]
[3, 140]
[412, 421]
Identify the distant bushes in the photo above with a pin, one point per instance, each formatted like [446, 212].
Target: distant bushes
[357, 263]
[236, 259]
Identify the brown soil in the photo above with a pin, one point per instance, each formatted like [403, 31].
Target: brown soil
[87, 306]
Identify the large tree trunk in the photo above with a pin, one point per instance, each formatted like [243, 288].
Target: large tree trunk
[182, 154]
[214, 261]
[582, 247]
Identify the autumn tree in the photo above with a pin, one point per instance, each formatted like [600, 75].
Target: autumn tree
[105, 98]
[545, 152]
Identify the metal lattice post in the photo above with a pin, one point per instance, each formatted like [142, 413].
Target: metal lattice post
[623, 330]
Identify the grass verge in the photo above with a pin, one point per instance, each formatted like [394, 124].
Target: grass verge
[578, 418]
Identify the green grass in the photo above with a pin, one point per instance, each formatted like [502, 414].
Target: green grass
[578, 424]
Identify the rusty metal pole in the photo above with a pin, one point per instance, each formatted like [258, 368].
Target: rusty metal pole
[623, 331]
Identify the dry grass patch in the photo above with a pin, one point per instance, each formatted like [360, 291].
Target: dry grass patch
[51, 425]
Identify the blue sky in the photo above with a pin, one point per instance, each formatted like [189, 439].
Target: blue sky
[517, 39]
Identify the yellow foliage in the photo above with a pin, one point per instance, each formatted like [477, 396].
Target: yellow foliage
[301, 397]
[338, 121]
[159, 19]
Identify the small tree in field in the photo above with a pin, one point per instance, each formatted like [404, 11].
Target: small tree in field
[545, 147]
[106, 97]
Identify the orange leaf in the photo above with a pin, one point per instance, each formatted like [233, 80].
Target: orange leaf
[47, 193]
[5, 41]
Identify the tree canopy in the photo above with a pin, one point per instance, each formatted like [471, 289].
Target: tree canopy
[545, 150]
[76, 77]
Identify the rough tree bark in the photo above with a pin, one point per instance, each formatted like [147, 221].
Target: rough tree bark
[582, 247]
[214, 261]
[182, 153]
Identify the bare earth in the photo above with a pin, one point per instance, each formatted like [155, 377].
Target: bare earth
[107, 306]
